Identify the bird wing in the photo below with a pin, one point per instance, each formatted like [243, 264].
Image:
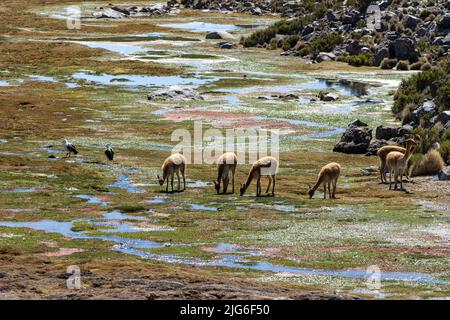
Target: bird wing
[72, 148]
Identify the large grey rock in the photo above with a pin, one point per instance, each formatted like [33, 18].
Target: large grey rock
[353, 47]
[354, 140]
[175, 92]
[404, 48]
[226, 45]
[220, 35]
[386, 132]
[329, 97]
[410, 21]
[325, 56]
[381, 52]
[109, 13]
[427, 110]
[444, 174]
[307, 30]
[444, 22]
[374, 146]
[443, 118]
[357, 123]
[331, 16]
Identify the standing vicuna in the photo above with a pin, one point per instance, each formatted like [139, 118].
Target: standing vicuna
[266, 166]
[382, 154]
[328, 175]
[173, 165]
[397, 163]
[226, 164]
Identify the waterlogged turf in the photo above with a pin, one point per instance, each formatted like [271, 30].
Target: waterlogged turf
[112, 217]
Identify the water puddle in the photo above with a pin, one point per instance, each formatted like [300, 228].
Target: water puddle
[197, 26]
[201, 207]
[91, 199]
[346, 87]
[132, 246]
[123, 182]
[116, 215]
[124, 49]
[20, 190]
[140, 80]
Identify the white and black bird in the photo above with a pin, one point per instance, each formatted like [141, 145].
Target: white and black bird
[70, 148]
[109, 152]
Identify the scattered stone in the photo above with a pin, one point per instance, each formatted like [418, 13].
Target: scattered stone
[226, 45]
[444, 117]
[410, 21]
[220, 35]
[109, 13]
[175, 92]
[428, 109]
[325, 56]
[444, 174]
[368, 171]
[328, 96]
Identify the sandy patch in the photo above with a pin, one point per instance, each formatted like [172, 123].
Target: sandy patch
[61, 252]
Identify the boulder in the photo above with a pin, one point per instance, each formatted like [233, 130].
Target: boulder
[444, 174]
[392, 35]
[410, 21]
[175, 92]
[353, 47]
[374, 146]
[368, 171]
[357, 123]
[404, 48]
[307, 30]
[331, 16]
[329, 96]
[404, 130]
[354, 140]
[444, 22]
[220, 35]
[109, 13]
[121, 10]
[226, 45]
[381, 52]
[443, 118]
[386, 132]
[325, 56]
[427, 110]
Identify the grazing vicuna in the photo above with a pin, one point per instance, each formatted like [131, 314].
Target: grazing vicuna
[174, 164]
[226, 164]
[397, 162]
[266, 166]
[328, 176]
[382, 154]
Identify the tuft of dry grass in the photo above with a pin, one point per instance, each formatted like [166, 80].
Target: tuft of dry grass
[428, 164]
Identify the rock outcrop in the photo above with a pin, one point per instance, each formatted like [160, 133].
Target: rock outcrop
[356, 139]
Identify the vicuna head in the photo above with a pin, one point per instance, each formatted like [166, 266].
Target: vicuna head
[311, 191]
[160, 180]
[217, 186]
[411, 145]
[242, 189]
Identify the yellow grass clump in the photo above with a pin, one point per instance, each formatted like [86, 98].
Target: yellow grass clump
[428, 164]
